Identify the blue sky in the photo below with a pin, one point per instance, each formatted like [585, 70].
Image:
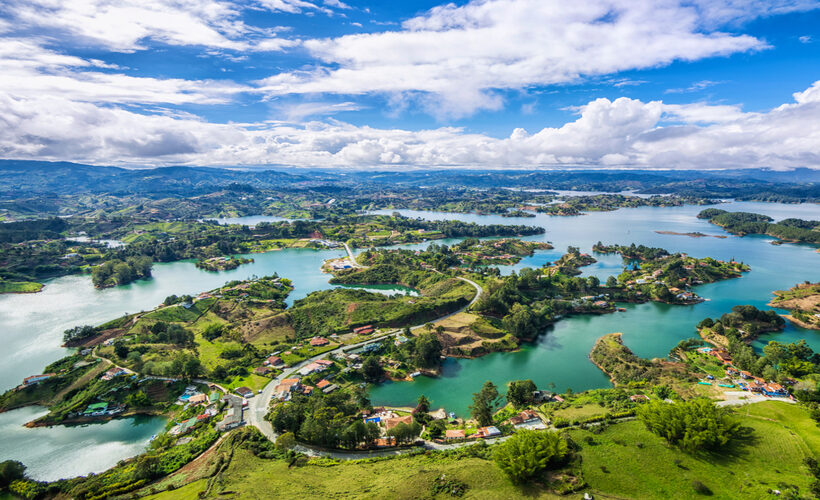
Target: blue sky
[488, 83]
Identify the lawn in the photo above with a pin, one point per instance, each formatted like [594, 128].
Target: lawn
[772, 459]
[20, 286]
[582, 412]
[251, 381]
[405, 477]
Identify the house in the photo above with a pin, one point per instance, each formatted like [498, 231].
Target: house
[274, 361]
[330, 388]
[775, 390]
[364, 330]
[198, 399]
[113, 372]
[527, 419]
[453, 434]
[96, 409]
[262, 370]
[36, 379]
[385, 442]
[307, 390]
[245, 392]
[319, 341]
[392, 422]
[324, 362]
[745, 375]
[541, 396]
[314, 367]
[233, 419]
[487, 432]
[322, 384]
[638, 398]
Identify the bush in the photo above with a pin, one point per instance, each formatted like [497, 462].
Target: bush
[701, 488]
[527, 453]
[691, 425]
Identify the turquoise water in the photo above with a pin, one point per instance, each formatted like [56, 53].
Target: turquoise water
[558, 358]
[32, 324]
[52, 453]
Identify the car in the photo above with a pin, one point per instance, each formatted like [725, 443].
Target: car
[260, 391]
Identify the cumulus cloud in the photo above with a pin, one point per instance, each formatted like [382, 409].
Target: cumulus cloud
[623, 132]
[460, 55]
[126, 25]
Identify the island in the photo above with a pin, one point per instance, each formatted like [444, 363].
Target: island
[803, 303]
[743, 223]
[217, 264]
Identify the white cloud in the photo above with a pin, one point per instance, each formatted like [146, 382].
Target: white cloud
[298, 112]
[126, 25]
[805, 39]
[460, 54]
[695, 87]
[29, 70]
[623, 132]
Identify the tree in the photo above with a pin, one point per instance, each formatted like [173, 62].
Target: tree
[11, 470]
[404, 433]
[428, 350]
[522, 321]
[691, 425]
[286, 441]
[371, 369]
[520, 392]
[611, 282]
[420, 412]
[527, 453]
[121, 350]
[484, 404]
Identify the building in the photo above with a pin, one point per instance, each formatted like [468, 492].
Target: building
[198, 399]
[487, 432]
[330, 388]
[639, 398]
[319, 341]
[322, 384]
[262, 370]
[113, 372]
[36, 379]
[364, 330]
[527, 419]
[389, 423]
[453, 434]
[233, 419]
[274, 361]
[773, 389]
[245, 392]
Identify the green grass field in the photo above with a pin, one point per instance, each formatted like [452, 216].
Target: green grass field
[20, 286]
[783, 434]
[624, 461]
[406, 477]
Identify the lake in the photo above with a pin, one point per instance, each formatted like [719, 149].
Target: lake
[32, 324]
[52, 453]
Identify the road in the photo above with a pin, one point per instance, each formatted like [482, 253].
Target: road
[352, 257]
[258, 405]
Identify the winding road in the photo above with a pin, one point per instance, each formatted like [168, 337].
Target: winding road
[258, 405]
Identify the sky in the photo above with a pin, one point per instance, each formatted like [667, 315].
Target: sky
[662, 84]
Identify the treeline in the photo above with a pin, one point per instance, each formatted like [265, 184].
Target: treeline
[117, 272]
[632, 252]
[330, 420]
[743, 223]
[39, 229]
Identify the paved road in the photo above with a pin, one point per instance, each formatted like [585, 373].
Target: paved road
[258, 405]
[352, 257]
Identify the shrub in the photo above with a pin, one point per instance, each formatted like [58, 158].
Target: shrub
[701, 488]
[527, 453]
[691, 425]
